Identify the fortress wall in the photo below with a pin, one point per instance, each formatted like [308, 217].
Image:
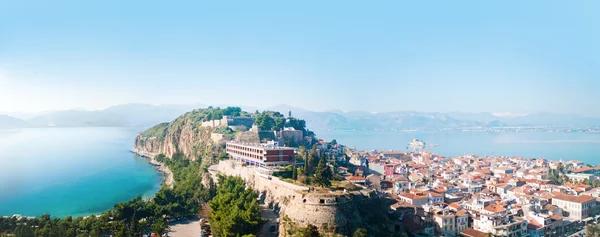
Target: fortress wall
[303, 207]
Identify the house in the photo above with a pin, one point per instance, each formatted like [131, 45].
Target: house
[414, 199]
[356, 179]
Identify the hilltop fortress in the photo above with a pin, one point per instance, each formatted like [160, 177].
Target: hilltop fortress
[336, 212]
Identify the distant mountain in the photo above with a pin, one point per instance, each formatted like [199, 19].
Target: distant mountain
[128, 115]
[337, 119]
[140, 115]
[494, 124]
[480, 117]
[7, 122]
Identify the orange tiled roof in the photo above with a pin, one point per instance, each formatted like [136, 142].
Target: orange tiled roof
[494, 208]
[470, 232]
[571, 198]
[355, 178]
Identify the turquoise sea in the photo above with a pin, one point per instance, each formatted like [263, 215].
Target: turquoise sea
[549, 145]
[71, 171]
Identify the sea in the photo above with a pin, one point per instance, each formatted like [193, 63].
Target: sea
[83, 171]
[71, 171]
[583, 146]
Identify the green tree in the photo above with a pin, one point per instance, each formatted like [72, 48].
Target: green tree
[278, 124]
[159, 227]
[295, 173]
[264, 121]
[234, 210]
[323, 174]
[360, 232]
[310, 231]
[24, 231]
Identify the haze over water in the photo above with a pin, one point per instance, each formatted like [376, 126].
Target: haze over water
[550, 145]
[70, 171]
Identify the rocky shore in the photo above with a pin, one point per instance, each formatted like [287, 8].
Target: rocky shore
[169, 180]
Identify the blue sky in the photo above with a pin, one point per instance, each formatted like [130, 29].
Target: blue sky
[471, 56]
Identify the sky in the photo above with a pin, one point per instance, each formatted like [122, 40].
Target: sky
[434, 56]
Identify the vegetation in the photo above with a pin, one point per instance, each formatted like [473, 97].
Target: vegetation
[310, 231]
[323, 174]
[360, 232]
[234, 210]
[592, 230]
[157, 131]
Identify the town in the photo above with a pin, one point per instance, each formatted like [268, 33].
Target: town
[470, 195]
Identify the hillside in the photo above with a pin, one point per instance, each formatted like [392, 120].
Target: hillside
[7, 122]
[185, 134]
[128, 115]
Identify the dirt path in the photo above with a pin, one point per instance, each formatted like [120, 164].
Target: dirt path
[270, 220]
[188, 228]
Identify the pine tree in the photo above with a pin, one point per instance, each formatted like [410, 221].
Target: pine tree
[234, 210]
[323, 174]
[295, 173]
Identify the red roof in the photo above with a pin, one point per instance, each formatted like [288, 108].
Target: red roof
[571, 198]
[355, 178]
[494, 208]
[469, 232]
[582, 169]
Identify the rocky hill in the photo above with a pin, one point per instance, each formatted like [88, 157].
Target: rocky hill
[190, 134]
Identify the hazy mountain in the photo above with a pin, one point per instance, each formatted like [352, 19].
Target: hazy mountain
[494, 124]
[148, 115]
[128, 115]
[337, 119]
[552, 119]
[480, 117]
[11, 122]
[315, 120]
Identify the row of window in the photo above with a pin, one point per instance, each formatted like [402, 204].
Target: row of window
[246, 154]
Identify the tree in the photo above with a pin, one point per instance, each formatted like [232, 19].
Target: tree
[295, 173]
[334, 142]
[232, 111]
[360, 232]
[234, 210]
[159, 227]
[592, 230]
[323, 174]
[310, 231]
[264, 121]
[279, 124]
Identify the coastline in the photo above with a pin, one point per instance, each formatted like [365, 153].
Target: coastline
[160, 167]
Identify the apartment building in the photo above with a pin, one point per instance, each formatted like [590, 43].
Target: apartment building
[577, 207]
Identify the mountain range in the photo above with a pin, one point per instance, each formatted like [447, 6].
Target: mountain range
[144, 115]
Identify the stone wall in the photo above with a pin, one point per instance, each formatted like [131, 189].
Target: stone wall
[229, 121]
[330, 211]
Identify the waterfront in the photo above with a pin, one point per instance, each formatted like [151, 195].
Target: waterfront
[71, 171]
[551, 145]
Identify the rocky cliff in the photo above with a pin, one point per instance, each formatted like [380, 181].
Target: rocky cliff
[184, 134]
